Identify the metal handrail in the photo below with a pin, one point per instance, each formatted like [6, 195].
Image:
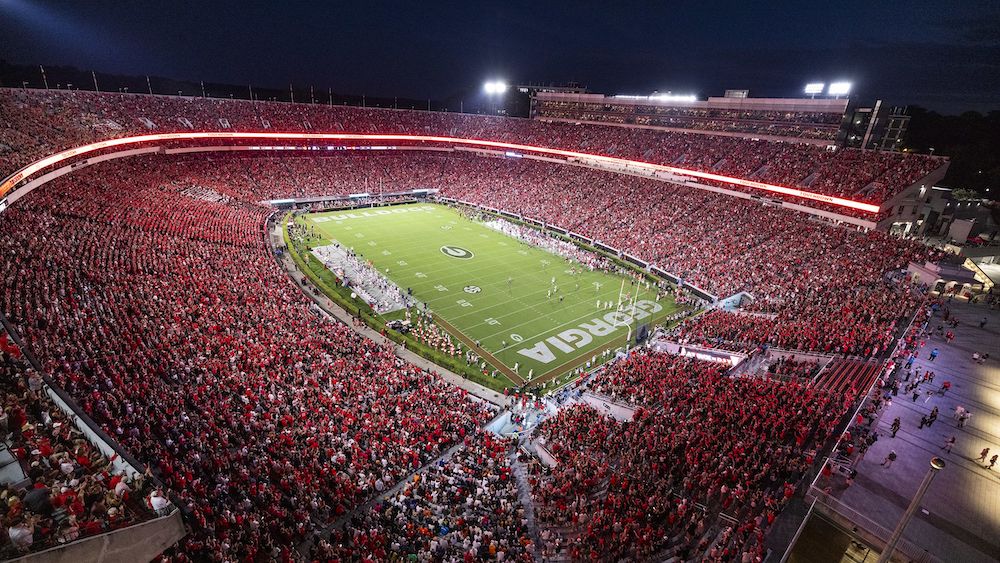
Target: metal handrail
[835, 506]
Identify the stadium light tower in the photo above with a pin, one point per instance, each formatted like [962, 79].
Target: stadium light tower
[838, 89]
[814, 88]
[494, 89]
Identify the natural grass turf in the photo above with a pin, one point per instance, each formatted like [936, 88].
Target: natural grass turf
[327, 283]
[405, 244]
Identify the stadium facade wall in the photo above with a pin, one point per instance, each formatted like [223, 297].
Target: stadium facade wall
[815, 105]
[545, 456]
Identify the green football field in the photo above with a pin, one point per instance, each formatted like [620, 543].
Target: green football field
[493, 291]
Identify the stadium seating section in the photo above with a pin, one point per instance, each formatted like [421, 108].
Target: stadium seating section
[699, 473]
[791, 124]
[69, 489]
[37, 123]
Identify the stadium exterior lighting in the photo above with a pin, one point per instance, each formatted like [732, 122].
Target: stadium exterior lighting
[660, 97]
[30, 170]
[673, 98]
[814, 88]
[838, 89]
[937, 464]
[495, 87]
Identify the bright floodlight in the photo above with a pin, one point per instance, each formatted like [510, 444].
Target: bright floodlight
[497, 87]
[815, 88]
[839, 88]
[673, 98]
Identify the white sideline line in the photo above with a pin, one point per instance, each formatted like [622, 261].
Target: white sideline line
[472, 273]
[469, 276]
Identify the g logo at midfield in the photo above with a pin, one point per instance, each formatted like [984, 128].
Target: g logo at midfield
[456, 252]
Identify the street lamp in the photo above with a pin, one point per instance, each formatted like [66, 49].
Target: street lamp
[937, 464]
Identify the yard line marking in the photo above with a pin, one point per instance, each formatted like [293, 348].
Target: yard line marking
[531, 278]
[493, 360]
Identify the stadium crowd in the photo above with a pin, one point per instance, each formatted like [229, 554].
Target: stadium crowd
[147, 288]
[793, 124]
[38, 123]
[713, 450]
[70, 489]
[463, 508]
[169, 321]
[639, 381]
[816, 286]
[566, 249]
[789, 366]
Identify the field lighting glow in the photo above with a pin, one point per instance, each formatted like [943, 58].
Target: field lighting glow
[660, 97]
[495, 87]
[127, 142]
[815, 87]
[839, 88]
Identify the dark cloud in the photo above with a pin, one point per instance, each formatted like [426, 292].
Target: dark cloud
[981, 27]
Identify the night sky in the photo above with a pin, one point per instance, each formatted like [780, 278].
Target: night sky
[944, 55]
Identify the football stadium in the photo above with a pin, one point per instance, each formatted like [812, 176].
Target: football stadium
[532, 323]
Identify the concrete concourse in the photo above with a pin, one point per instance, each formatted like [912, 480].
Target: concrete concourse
[959, 518]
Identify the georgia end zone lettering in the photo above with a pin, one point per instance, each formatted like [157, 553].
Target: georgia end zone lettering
[573, 339]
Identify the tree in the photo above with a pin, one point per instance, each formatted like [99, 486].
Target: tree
[971, 140]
